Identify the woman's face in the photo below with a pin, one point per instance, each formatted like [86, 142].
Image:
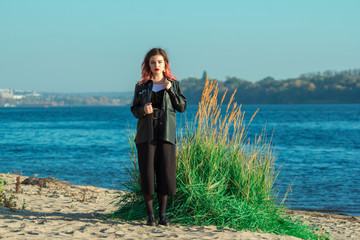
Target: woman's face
[157, 64]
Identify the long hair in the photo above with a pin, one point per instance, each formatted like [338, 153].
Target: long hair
[146, 73]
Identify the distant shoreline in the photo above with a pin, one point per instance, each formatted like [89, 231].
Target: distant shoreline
[122, 105]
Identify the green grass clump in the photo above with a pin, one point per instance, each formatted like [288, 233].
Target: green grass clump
[5, 199]
[223, 178]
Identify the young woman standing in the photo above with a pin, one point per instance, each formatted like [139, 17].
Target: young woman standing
[157, 96]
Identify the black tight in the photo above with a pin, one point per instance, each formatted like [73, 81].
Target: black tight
[162, 198]
[149, 203]
[162, 203]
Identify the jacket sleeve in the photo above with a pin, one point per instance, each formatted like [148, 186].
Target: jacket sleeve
[137, 109]
[178, 100]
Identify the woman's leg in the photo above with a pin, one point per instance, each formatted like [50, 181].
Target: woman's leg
[149, 204]
[163, 220]
[149, 209]
[162, 203]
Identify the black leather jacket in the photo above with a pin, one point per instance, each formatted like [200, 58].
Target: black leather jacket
[173, 100]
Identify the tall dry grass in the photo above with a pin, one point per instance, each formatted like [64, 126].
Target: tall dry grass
[225, 152]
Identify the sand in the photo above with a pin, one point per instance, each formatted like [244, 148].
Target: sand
[64, 211]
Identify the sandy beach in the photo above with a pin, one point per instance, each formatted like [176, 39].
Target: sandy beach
[63, 211]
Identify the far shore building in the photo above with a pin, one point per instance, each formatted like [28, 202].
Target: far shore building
[6, 93]
[17, 94]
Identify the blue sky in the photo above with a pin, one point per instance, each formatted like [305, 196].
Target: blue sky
[89, 46]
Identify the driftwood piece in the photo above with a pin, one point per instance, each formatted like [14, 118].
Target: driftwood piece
[45, 182]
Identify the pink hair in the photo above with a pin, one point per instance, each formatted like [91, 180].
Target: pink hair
[146, 73]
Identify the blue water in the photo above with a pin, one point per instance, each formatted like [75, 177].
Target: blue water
[318, 148]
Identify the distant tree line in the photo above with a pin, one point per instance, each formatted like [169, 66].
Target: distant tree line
[325, 87]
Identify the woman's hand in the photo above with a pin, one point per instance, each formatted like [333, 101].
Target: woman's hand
[148, 108]
[167, 84]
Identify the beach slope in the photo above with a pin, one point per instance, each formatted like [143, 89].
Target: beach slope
[63, 211]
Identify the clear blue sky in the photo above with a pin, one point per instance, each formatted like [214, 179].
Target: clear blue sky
[88, 46]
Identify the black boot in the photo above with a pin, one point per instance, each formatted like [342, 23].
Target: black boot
[163, 220]
[151, 220]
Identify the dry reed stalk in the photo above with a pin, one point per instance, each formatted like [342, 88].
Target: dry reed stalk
[84, 190]
[208, 117]
[40, 187]
[18, 186]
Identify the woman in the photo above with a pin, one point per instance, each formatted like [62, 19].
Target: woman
[156, 98]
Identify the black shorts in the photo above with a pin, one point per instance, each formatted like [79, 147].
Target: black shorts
[157, 159]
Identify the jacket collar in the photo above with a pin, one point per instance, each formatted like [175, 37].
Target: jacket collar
[152, 82]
